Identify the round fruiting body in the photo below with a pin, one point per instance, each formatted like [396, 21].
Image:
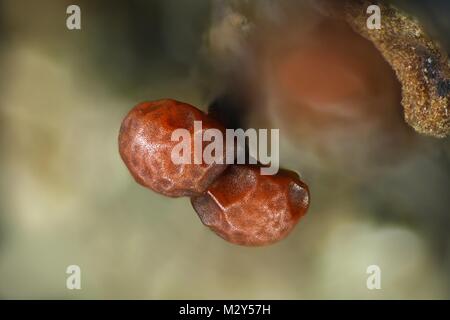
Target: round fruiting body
[146, 146]
[247, 208]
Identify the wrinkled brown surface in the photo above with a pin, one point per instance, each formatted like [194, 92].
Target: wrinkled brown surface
[145, 146]
[247, 208]
[420, 64]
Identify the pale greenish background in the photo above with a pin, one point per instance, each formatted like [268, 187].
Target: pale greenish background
[67, 198]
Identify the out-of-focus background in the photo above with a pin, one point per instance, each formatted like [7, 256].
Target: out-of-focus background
[380, 192]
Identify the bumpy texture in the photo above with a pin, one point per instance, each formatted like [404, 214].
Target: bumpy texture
[420, 64]
[247, 208]
[145, 146]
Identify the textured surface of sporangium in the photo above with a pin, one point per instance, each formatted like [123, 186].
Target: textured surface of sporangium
[145, 145]
[247, 208]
